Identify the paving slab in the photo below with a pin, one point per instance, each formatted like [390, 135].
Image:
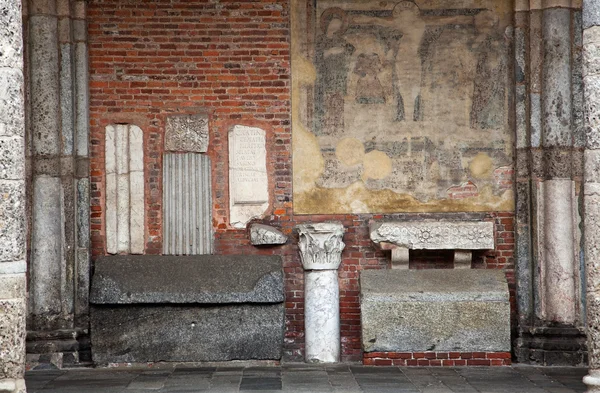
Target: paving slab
[310, 378]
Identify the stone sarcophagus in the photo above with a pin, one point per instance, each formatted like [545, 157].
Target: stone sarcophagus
[187, 309]
[435, 310]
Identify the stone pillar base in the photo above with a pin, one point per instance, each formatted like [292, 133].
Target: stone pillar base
[592, 380]
[12, 386]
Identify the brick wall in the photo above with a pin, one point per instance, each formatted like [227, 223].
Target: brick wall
[151, 59]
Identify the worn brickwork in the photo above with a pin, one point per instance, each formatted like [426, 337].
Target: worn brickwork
[152, 59]
[437, 359]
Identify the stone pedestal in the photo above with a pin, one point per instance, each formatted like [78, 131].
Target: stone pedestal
[408, 311]
[321, 248]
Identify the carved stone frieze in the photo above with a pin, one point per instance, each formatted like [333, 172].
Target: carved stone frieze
[438, 235]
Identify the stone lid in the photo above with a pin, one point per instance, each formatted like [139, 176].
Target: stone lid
[439, 285]
[206, 279]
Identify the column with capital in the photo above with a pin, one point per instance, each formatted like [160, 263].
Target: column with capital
[321, 248]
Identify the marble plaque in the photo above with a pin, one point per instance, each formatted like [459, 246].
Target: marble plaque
[248, 181]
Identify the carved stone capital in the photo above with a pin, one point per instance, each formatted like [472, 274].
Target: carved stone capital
[321, 245]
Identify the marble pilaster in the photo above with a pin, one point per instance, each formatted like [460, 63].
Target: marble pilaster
[321, 247]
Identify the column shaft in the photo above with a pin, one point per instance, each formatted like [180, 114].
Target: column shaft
[322, 316]
[558, 265]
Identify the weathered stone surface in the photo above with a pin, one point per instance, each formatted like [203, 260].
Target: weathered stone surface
[12, 121]
[187, 133]
[265, 234]
[45, 92]
[248, 180]
[592, 111]
[187, 333]
[13, 224]
[557, 163]
[66, 92]
[435, 310]
[591, 51]
[129, 279]
[558, 266]
[12, 337]
[81, 93]
[11, 40]
[556, 99]
[591, 13]
[321, 245]
[14, 267]
[435, 235]
[12, 212]
[577, 81]
[12, 159]
[13, 286]
[592, 166]
[47, 262]
[535, 120]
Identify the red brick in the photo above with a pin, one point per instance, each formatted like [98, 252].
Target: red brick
[478, 362]
[498, 355]
[222, 73]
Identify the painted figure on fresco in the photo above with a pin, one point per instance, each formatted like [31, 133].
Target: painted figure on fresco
[368, 88]
[407, 19]
[332, 57]
[487, 111]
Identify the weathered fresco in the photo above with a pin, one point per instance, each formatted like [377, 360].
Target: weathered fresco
[401, 106]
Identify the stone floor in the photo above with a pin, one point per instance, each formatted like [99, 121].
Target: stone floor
[308, 378]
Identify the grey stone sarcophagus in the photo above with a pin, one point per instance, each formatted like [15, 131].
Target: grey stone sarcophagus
[435, 310]
[187, 309]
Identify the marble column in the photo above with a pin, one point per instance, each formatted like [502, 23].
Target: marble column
[549, 141]
[558, 189]
[57, 81]
[321, 248]
[12, 201]
[591, 72]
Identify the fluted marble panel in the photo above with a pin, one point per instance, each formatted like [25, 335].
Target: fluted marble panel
[187, 205]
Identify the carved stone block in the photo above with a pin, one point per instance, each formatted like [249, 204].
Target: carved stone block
[435, 235]
[321, 245]
[264, 235]
[187, 133]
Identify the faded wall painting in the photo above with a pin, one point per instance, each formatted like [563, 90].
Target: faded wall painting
[401, 106]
